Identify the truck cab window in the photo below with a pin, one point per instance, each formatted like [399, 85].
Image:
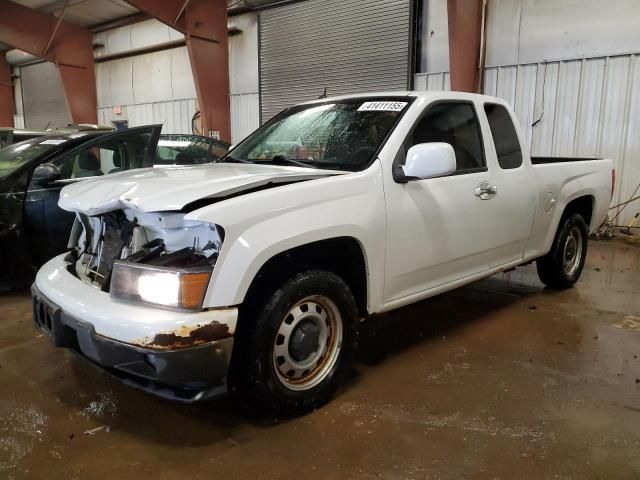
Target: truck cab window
[454, 123]
[504, 136]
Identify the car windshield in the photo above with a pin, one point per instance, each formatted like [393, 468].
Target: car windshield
[340, 135]
[19, 154]
[188, 150]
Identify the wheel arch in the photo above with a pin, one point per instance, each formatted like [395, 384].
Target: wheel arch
[583, 205]
[343, 255]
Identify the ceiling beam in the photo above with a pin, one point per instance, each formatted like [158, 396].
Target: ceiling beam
[67, 45]
[6, 93]
[204, 24]
[465, 29]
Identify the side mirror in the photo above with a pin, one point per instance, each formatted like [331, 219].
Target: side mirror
[429, 160]
[46, 174]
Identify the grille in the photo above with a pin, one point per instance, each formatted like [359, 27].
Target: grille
[43, 315]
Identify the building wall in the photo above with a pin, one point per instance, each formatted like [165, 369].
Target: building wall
[571, 70]
[158, 87]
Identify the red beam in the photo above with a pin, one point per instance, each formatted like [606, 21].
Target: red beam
[70, 48]
[204, 24]
[465, 27]
[6, 93]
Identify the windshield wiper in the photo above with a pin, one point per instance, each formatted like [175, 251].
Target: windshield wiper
[228, 159]
[282, 158]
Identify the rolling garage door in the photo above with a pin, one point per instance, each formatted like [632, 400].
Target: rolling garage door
[43, 97]
[347, 46]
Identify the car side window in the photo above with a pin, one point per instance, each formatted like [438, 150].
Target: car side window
[124, 152]
[455, 123]
[504, 136]
[86, 162]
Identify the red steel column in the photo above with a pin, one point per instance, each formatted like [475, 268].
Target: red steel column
[204, 24]
[465, 29]
[69, 46]
[6, 93]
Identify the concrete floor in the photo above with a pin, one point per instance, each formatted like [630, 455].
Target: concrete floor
[501, 379]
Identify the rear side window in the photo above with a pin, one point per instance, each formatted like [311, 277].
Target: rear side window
[454, 123]
[504, 136]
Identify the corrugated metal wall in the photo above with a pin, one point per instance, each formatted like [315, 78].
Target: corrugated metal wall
[345, 45]
[586, 107]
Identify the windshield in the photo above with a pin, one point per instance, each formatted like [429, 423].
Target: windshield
[19, 154]
[188, 150]
[342, 135]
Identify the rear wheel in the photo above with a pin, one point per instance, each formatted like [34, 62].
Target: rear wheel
[300, 344]
[562, 266]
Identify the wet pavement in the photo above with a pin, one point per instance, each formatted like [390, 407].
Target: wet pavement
[498, 380]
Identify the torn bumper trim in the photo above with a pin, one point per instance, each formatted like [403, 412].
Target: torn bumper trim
[185, 374]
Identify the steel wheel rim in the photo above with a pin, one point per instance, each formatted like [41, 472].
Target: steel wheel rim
[303, 374]
[572, 252]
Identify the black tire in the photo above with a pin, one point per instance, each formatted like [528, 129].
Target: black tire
[552, 269]
[258, 376]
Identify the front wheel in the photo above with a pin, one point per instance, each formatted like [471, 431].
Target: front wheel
[562, 266]
[301, 343]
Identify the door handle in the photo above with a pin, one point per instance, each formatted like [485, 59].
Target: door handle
[486, 191]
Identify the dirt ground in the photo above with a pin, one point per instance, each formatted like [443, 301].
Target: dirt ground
[499, 380]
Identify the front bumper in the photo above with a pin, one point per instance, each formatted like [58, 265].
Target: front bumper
[170, 370]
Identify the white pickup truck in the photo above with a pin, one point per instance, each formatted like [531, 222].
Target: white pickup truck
[254, 272]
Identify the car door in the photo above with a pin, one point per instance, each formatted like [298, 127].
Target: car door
[517, 189]
[441, 230]
[46, 224]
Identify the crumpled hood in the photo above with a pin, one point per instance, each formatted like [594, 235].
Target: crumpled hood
[172, 188]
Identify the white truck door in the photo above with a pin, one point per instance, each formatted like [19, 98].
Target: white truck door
[514, 178]
[440, 230]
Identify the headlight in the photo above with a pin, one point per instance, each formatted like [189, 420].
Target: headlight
[182, 289]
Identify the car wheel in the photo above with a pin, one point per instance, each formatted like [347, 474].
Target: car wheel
[301, 343]
[562, 266]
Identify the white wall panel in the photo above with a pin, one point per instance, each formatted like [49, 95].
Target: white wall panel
[590, 102]
[567, 29]
[585, 107]
[506, 83]
[525, 97]
[630, 165]
[566, 107]
[120, 74]
[243, 56]
[244, 115]
[152, 77]
[150, 32]
[175, 116]
[182, 84]
[435, 37]
[542, 127]
[134, 36]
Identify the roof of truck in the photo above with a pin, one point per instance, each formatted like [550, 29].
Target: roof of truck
[431, 94]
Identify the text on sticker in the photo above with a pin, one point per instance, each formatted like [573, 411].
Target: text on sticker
[382, 106]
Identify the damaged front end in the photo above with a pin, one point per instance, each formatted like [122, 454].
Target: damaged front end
[156, 259]
[125, 260]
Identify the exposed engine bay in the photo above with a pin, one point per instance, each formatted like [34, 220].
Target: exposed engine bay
[162, 239]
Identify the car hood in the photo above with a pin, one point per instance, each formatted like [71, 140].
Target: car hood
[180, 188]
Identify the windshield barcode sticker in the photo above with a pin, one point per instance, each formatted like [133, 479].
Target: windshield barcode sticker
[53, 141]
[382, 106]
